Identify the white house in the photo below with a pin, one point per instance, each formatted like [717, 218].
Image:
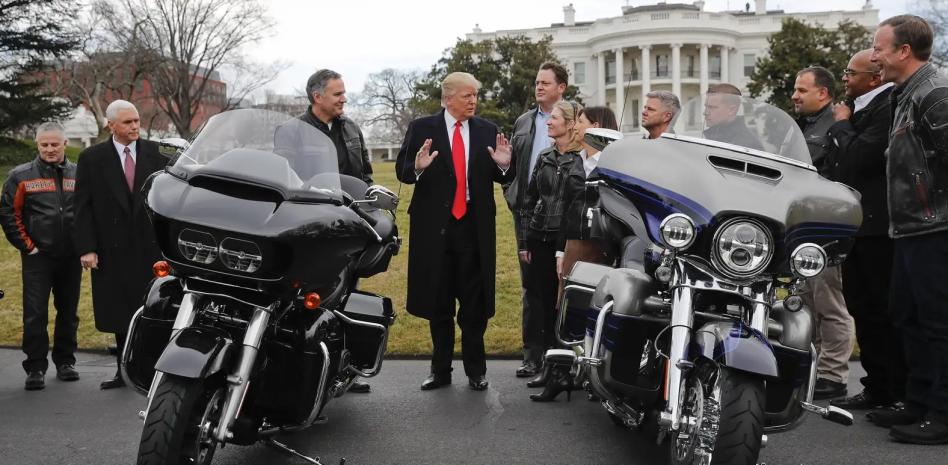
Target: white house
[667, 46]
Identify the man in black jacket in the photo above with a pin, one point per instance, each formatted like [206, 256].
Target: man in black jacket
[833, 335]
[529, 138]
[36, 213]
[113, 235]
[917, 183]
[858, 140]
[327, 96]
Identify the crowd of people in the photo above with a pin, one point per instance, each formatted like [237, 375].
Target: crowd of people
[888, 139]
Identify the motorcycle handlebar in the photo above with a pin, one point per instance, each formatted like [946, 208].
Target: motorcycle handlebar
[362, 214]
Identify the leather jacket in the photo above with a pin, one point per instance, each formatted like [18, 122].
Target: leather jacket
[917, 157]
[36, 207]
[815, 128]
[544, 203]
[350, 145]
[521, 147]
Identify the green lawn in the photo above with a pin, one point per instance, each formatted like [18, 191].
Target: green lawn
[409, 335]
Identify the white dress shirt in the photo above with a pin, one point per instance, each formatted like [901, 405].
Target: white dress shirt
[449, 121]
[860, 102]
[589, 161]
[121, 152]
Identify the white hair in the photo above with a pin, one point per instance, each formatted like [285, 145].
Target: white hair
[111, 112]
[456, 80]
[51, 127]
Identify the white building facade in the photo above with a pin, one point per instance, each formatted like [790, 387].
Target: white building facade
[676, 47]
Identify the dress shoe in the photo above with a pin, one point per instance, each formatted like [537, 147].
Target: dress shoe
[359, 387]
[67, 372]
[826, 389]
[113, 383]
[929, 431]
[559, 380]
[898, 413]
[529, 369]
[540, 379]
[477, 383]
[35, 380]
[862, 401]
[434, 381]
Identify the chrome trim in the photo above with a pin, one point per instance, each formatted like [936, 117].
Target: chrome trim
[814, 357]
[323, 376]
[819, 248]
[741, 149]
[224, 296]
[186, 313]
[239, 380]
[691, 222]
[377, 367]
[719, 262]
[128, 343]
[593, 360]
[561, 314]
[682, 320]
[760, 315]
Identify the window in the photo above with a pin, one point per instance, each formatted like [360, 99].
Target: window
[635, 111]
[691, 70]
[661, 66]
[714, 67]
[579, 72]
[750, 61]
[611, 71]
[634, 70]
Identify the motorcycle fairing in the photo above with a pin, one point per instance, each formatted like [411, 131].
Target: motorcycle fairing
[735, 345]
[196, 352]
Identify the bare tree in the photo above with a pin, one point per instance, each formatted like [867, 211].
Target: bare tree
[197, 40]
[384, 103]
[936, 14]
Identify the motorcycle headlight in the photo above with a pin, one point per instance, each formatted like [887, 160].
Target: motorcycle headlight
[742, 247]
[678, 231]
[197, 246]
[808, 260]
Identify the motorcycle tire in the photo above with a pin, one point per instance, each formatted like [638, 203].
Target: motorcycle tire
[741, 420]
[172, 433]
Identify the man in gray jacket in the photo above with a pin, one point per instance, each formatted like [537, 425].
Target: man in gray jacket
[529, 138]
[917, 182]
[834, 332]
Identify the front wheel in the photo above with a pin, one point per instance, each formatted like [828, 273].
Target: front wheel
[178, 428]
[722, 419]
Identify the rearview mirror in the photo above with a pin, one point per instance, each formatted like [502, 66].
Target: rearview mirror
[380, 197]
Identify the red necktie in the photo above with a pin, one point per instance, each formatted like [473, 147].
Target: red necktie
[129, 170]
[457, 153]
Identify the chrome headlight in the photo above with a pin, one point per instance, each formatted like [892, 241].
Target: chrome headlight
[678, 231]
[197, 246]
[240, 255]
[742, 247]
[808, 260]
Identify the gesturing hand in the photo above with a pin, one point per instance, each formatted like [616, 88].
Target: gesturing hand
[841, 111]
[423, 158]
[503, 154]
[90, 261]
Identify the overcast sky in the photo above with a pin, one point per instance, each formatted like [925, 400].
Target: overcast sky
[360, 37]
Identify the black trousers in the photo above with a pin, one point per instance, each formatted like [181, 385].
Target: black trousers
[919, 299]
[541, 288]
[531, 352]
[461, 281]
[867, 274]
[43, 274]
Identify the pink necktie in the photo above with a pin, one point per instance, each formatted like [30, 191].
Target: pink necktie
[129, 169]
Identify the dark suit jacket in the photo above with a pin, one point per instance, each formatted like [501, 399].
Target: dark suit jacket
[857, 158]
[112, 222]
[430, 208]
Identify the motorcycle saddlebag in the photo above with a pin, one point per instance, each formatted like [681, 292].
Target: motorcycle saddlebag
[576, 300]
[366, 331]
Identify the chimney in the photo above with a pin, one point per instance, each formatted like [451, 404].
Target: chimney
[700, 5]
[477, 29]
[569, 15]
[761, 7]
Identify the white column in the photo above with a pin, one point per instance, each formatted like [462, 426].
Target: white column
[704, 68]
[676, 69]
[620, 84]
[601, 93]
[646, 73]
[725, 66]
[389, 154]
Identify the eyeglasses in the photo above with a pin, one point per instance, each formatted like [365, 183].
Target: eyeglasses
[850, 72]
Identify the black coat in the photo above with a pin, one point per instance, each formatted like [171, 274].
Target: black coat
[111, 221]
[857, 158]
[430, 208]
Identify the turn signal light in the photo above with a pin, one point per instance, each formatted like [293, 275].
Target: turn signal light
[161, 269]
[311, 301]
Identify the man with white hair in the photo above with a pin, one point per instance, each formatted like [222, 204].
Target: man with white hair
[451, 250]
[36, 213]
[113, 235]
[658, 113]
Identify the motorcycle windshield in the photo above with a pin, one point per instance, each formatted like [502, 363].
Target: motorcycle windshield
[263, 147]
[720, 118]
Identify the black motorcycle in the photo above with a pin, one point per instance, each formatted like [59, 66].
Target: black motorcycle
[701, 328]
[253, 322]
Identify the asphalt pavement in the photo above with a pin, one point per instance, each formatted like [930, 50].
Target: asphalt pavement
[76, 423]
